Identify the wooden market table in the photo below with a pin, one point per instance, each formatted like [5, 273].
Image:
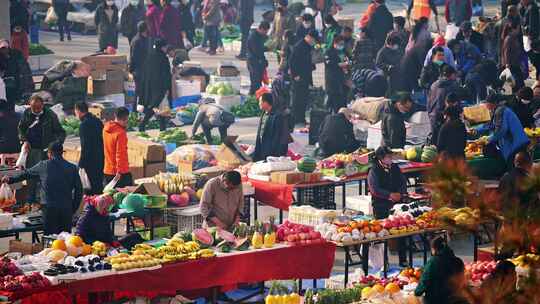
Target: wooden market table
[279, 263]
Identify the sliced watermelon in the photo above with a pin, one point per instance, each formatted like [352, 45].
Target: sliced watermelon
[203, 237]
[241, 244]
[225, 235]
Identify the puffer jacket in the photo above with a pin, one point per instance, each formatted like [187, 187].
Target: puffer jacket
[115, 148]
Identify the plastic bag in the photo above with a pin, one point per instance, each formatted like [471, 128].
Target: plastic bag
[451, 32]
[188, 44]
[51, 16]
[7, 196]
[526, 43]
[85, 181]
[21, 161]
[111, 184]
[376, 256]
[478, 10]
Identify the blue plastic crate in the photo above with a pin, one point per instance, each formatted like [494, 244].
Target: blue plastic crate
[184, 100]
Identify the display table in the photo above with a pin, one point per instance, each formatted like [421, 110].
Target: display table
[487, 168]
[280, 263]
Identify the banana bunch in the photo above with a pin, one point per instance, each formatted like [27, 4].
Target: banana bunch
[122, 262]
[143, 247]
[533, 133]
[346, 158]
[205, 253]
[172, 183]
[465, 216]
[174, 258]
[175, 242]
[527, 260]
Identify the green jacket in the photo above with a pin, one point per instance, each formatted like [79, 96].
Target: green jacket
[52, 129]
[433, 282]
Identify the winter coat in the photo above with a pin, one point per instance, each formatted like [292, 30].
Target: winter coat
[269, 141]
[476, 39]
[382, 183]
[334, 75]
[256, 49]
[369, 83]
[379, 25]
[448, 57]
[17, 76]
[530, 20]
[411, 62]
[522, 111]
[131, 16]
[433, 283]
[282, 22]
[153, 16]
[106, 28]
[301, 63]
[171, 26]
[115, 149]
[436, 98]
[364, 53]
[213, 11]
[138, 52]
[60, 185]
[19, 41]
[457, 11]
[452, 139]
[329, 34]
[212, 115]
[507, 130]
[336, 135]
[186, 21]
[51, 129]
[93, 226]
[467, 58]
[430, 74]
[389, 61]
[156, 79]
[91, 134]
[9, 139]
[393, 127]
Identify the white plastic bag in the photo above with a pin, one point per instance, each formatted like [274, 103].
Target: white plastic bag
[111, 184]
[526, 43]
[21, 161]
[376, 256]
[451, 31]
[85, 181]
[7, 196]
[187, 44]
[51, 16]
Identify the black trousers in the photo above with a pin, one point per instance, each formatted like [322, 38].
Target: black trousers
[380, 212]
[208, 133]
[336, 101]
[255, 77]
[96, 181]
[148, 113]
[125, 180]
[56, 220]
[244, 29]
[300, 100]
[63, 25]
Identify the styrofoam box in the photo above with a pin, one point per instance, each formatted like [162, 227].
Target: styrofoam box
[226, 101]
[360, 203]
[235, 81]
[237, 45]
[119, 100]
[188, 88]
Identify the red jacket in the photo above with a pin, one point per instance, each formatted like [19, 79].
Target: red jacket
[19, 41]
[115, 149]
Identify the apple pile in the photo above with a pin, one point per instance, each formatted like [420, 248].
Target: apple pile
[479, 271]
[411, 275]
[371, 280]
[23, 282]
[297, 234]
[399, 224]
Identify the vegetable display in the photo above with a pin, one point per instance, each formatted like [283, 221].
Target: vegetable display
[221, 89]
[36, 49]
[71, 125]
[250, 108]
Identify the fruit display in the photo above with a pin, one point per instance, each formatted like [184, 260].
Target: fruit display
[173, 183]
[428, 220]
[221, 89]
[7, 267]
[532, 132]
[413, 154]
[307, 164]
[297, 234]
[399, 224]
[203, 237]
[99, 248]
[411, 275]
[18, 283]
[353, 231]
[310, 216]
[465, 217]
[413, 209]
[90, 264]
[528, 260]
[478, 271]
[429, 154]
[124, 261]
[474, 149]
[279, 294]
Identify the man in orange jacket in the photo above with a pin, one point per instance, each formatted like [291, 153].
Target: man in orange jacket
[115, 148]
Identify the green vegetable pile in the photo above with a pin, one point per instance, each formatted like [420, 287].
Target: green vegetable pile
[334, 296]
[71, 126]
[133, 122]
[250, 108]
[216, 140]
[230, 31]
[221, 89]
[174, 135]
[39, 49]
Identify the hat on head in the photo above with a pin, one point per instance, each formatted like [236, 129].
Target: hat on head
[283, 2]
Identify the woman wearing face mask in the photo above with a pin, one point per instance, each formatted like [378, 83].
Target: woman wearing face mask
[393, 121]
[170, 23]
[387, 186]
[334, 74]
[388, 60]
[132, 14]
[106, 20]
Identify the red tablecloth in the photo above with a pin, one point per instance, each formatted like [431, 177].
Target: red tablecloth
[272, 194]
[306, 262]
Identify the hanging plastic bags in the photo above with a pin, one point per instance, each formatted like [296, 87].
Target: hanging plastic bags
[85, 181]
[7, 196]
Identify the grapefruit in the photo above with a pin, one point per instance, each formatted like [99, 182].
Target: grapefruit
[59, 245]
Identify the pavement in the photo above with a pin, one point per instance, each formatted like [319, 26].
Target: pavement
[83, 45]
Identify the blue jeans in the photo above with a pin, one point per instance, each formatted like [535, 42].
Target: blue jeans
[212, 35]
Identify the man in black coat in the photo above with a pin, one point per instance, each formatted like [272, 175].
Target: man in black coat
[92, 158]
[530, 19]
[466, 33]
[334, 75]
[438, 93]
[272, 129]
[337, 135]
[256, 61]
[301, 68]
[61, 8]
[393, 129]
[380, 24]
[140, 47]
[245, 20]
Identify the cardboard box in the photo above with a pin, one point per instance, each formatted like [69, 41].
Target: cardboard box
[151, 151]
[312, 177]
[24, 248]
[106, 62]
[210, 172]
[104, 83]
[148, 188]
[152, 169]
[72, 153]
[199, 78]
[136, 171]
[287, 177]
[230, 155]
[135, 159]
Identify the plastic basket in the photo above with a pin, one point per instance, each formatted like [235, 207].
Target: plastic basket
[184, 219]
[321, 197]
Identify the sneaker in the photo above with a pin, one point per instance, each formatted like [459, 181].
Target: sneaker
[69, 38]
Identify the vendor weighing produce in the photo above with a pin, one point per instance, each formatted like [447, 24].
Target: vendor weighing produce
[222, 201]
[61, 189]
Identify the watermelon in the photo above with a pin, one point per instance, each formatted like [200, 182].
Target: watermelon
[225, 235]
[213, 233]
[429, 154]
[203, 237]
[186, 236]
[307, 164]
[241, 244]
[224, 246]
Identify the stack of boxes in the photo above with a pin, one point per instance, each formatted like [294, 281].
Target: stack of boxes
[146, 158]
